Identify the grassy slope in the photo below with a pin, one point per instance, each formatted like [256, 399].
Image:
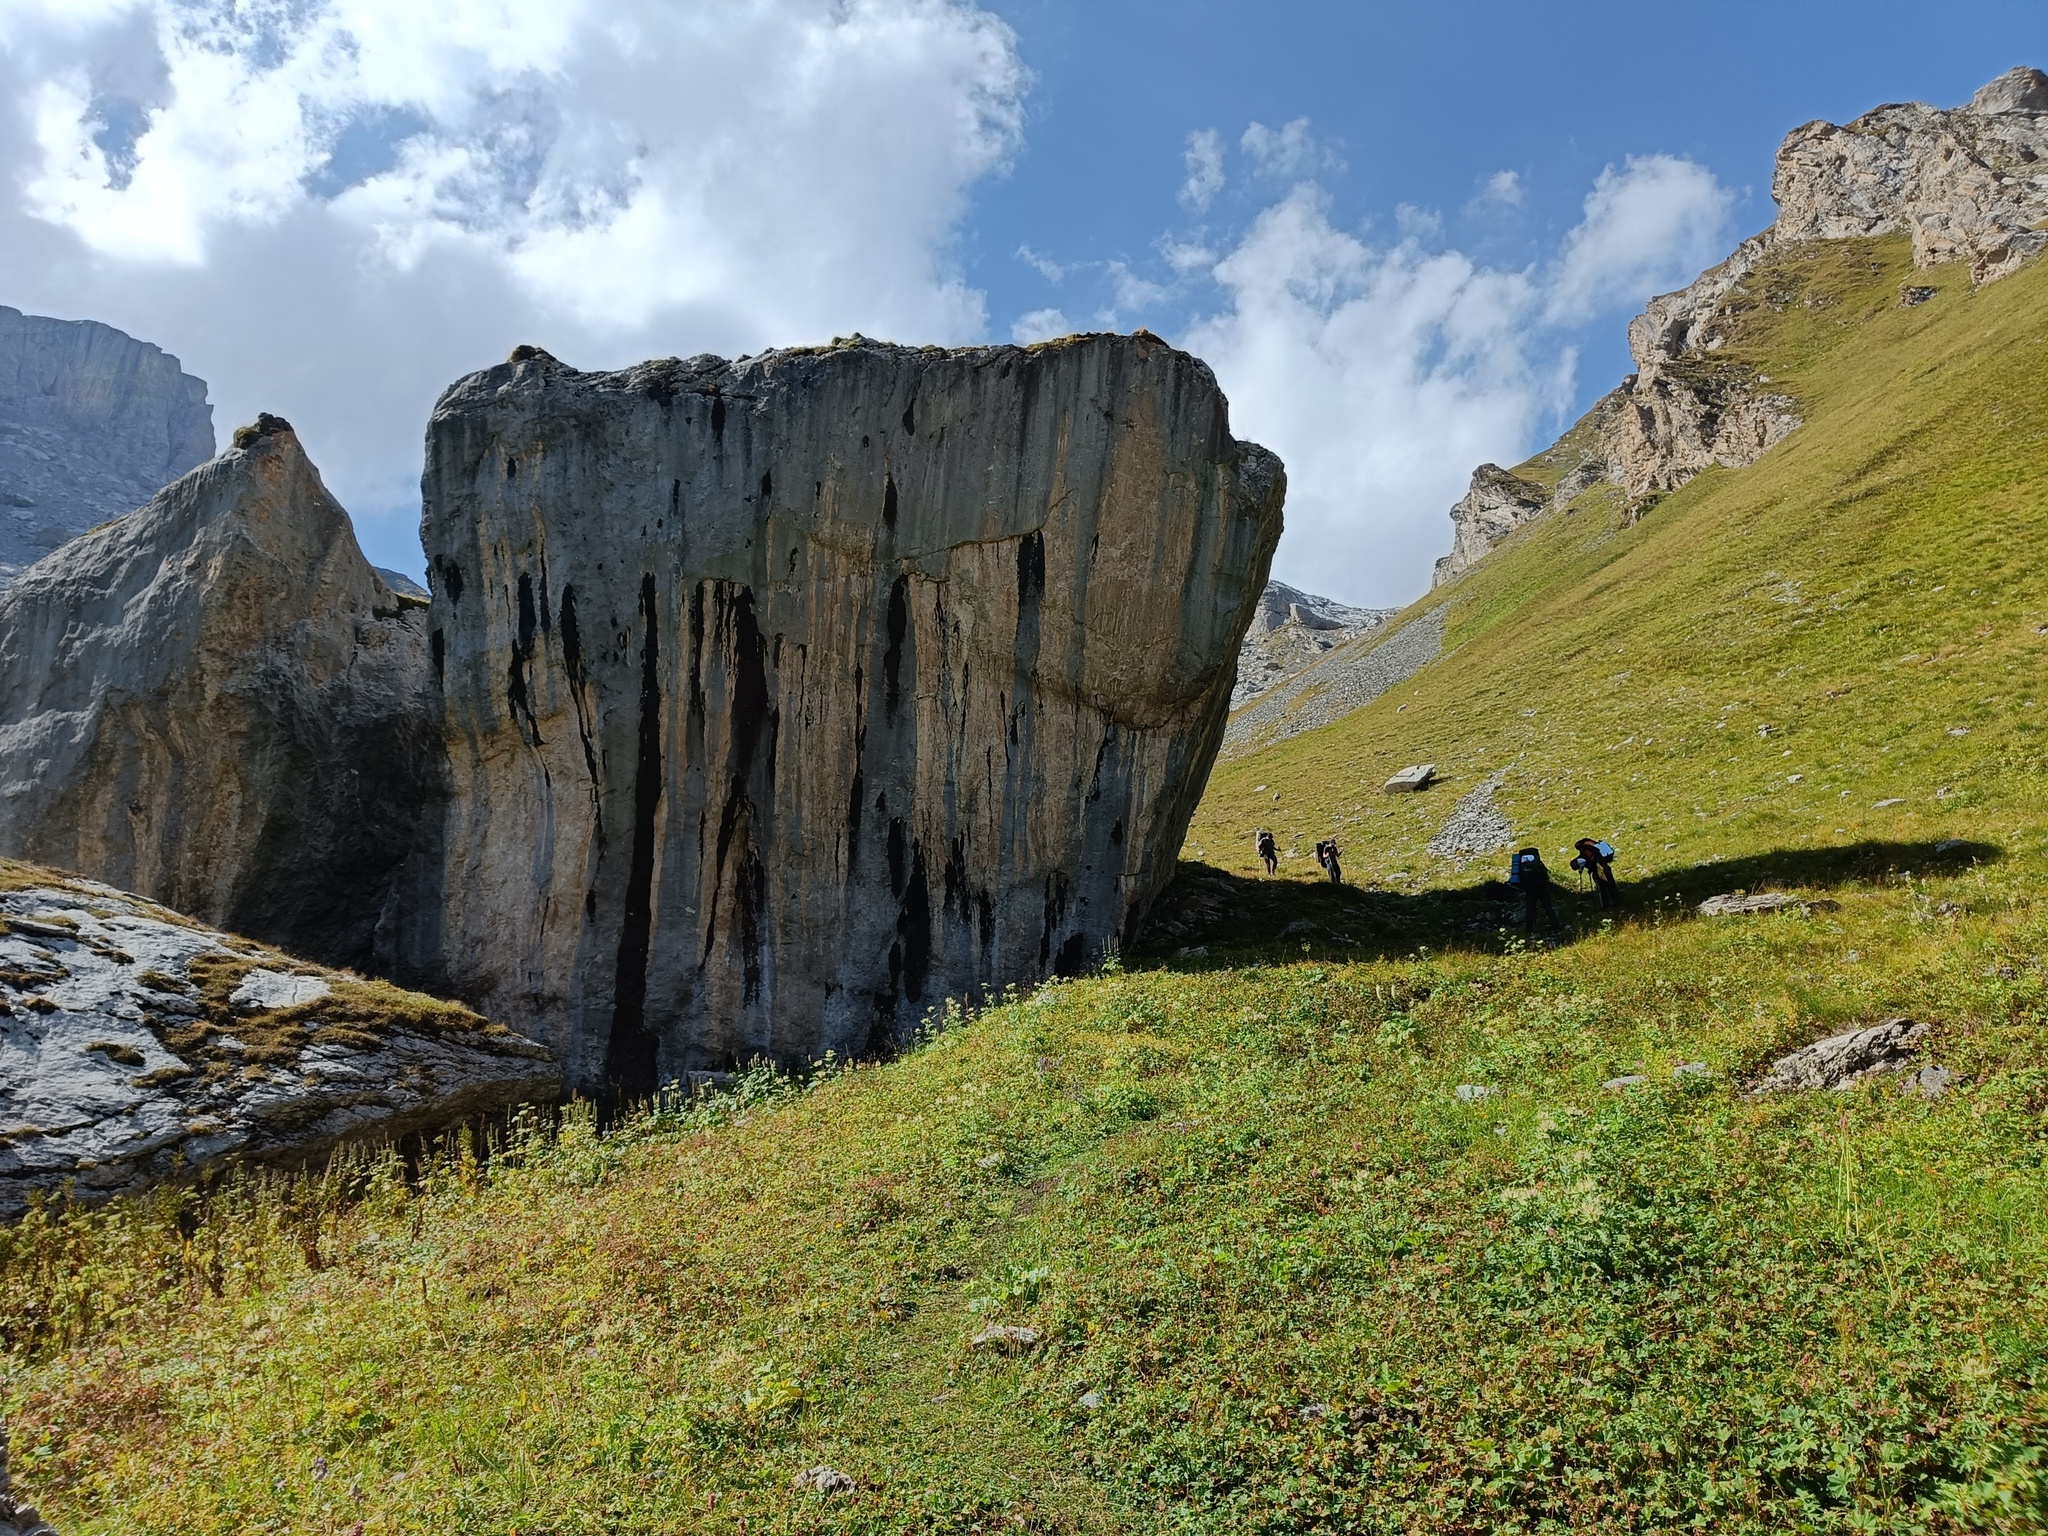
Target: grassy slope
[1286, 1279]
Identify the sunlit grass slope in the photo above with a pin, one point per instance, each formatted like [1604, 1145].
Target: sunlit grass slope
[1283, 1276]
[1765, 654]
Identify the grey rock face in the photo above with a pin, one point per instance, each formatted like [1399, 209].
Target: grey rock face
[1749, 904]
[92, 424]
[1845, 1060]
[787, 697]
[1289, 630]
[214, 701]
[1969, 184]
[1495, 506]
[125, 1059]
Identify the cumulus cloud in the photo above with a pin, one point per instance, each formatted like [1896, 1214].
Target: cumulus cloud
[1204, 160]
[1649, 226]
[1040, 325]
[1289, 153]
[1382, 374]
[331, 208]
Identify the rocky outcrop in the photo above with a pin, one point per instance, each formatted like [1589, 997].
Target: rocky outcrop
[92, 424]
[1496, 504]
[1969, 184]
[1290, 629]
[136, 1045]
[788, 697]
[216, 702]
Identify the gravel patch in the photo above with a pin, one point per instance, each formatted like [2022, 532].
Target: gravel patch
[1348, 677]
[1476, 827]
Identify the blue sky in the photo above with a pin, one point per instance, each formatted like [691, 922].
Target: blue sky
[1407, 237]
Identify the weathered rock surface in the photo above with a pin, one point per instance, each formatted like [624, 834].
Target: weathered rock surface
[1969, 184]
[789, 696]
[92, 424]
[1476, 827]
[1496, 504]
[1750, 903]
[1845, 1060]
[214, 701]
[136, 1045]
[1290, 629]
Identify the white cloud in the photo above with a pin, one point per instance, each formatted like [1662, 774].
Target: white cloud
[1040, 325]
[1649, 226]
[331, 208]
[1289, 153]
[1381, 377]
[1503, 188]
[1384, 375]
[1186, 256]
[1204, 160]
[1044, 266]
[1422, 225]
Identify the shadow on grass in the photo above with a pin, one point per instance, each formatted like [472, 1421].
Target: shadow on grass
[1210, 916]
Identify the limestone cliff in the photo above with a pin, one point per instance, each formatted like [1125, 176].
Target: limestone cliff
[92, 424]
[1969, 184]
[1494, 506]
[787, 697]
[214, 701]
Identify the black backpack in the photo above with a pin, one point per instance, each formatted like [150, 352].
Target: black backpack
[1530, 859]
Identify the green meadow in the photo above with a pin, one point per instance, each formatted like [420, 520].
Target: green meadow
[1323, 1212]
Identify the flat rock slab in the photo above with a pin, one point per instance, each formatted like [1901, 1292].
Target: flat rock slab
[136, 1045]
[1410, 779]
[1739, 904]
[1845, 1060]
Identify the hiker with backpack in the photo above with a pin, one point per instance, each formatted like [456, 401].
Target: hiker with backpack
[1596, 858]
[1528, 873]
[1326, 855]
[1269, 852]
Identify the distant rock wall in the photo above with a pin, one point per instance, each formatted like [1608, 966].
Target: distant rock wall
[214, 701]
[1291, 629]
[92, 424]
[1969, 184]
[788, 697]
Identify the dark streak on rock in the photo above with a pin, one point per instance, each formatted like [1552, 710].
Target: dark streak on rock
[631, 1057]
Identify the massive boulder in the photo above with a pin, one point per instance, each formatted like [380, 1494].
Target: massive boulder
[92, 424]
[137, 1045]
[214, 701]
[788, 697]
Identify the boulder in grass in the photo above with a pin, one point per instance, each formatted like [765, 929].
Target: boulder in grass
[136, 1045]
[1409, 780]
[1748, 903]
[1846, 1060]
